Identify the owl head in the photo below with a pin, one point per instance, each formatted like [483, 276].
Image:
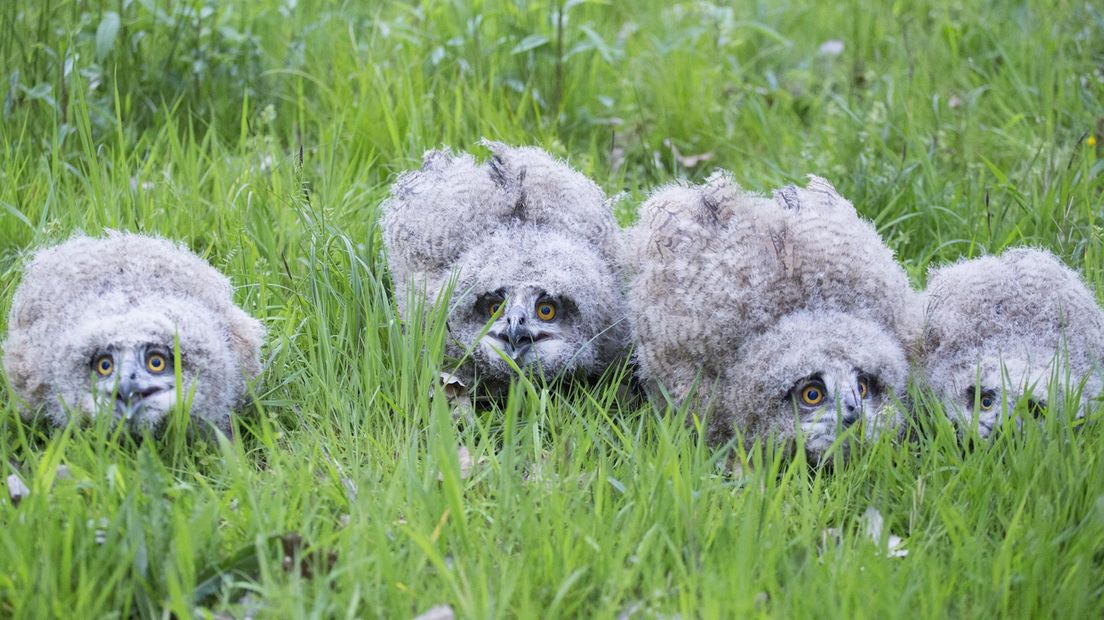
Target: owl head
[814, 372]
[537, 300]
[1010, 336]
[125, 364]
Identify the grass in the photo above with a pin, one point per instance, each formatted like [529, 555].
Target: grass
[265, 134]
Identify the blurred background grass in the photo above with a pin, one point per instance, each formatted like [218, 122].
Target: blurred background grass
[264, 134]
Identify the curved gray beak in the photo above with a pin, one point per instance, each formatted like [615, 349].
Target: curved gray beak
[850, 407]
[518, 334]
[133, 388]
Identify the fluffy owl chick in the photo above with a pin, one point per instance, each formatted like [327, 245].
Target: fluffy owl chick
[96, 324]
[534, 248]
[780, 312]
[999, 330]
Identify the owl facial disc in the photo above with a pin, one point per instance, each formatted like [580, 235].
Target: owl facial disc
[526, 321]
[137, 381]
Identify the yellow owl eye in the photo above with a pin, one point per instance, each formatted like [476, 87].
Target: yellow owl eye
[812, 395]
[104, 365]
[546, 311]
[864, 388]
[987, 402]
[495, 307]
[156, 363]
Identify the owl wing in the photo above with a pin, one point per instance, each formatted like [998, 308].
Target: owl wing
[689, 286]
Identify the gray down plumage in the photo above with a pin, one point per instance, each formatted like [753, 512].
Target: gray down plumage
[89, 294]
[1011, 324]
[522, 220]
[743, 294]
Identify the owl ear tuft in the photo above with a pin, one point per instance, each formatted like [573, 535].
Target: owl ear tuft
[821, 185]
[787, 197]
[718, 194]
[437, 159]
[505, 175]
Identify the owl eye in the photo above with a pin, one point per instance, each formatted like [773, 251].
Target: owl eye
[156, 363]
[104, 365]
[864, 388]
[546, 311]
[1037, 408]
[494, 307]
[987, 402]
[812, 395]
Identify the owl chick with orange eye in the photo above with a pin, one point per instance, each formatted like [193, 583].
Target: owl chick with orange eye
[1011, 338]
[128, 326]
[533, 248]
[779, 316]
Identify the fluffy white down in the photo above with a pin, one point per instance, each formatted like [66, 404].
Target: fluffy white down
[722, 280]
[126, 288]
[523, 218]
[1012, 323]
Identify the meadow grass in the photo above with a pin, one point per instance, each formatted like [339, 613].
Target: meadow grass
[264, 135]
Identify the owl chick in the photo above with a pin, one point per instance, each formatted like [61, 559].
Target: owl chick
[780, 313]
[999, 330]
[533, 247]
[96, 325]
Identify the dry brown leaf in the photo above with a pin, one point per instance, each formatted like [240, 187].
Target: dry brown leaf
[467, 463]
[309, 560]
[458, 397]
[687, 161]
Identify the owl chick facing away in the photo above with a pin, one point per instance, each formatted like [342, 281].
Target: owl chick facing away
[533, 247]
[96, 324]
[777, 314]
[1008, 334]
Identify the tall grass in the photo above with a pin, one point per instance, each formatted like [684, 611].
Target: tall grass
[264, 135]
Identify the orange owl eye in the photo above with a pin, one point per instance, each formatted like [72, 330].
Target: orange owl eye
[546, 311]
[812, 395]
[104, 365]
[156, 363]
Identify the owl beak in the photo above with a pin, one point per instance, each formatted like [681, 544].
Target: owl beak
[851, 408]
[132, 391]
[519, 336]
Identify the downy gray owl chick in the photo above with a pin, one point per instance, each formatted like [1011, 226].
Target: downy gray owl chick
[998, 330]
[534, 248]
[783, 313]
[95, 324]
